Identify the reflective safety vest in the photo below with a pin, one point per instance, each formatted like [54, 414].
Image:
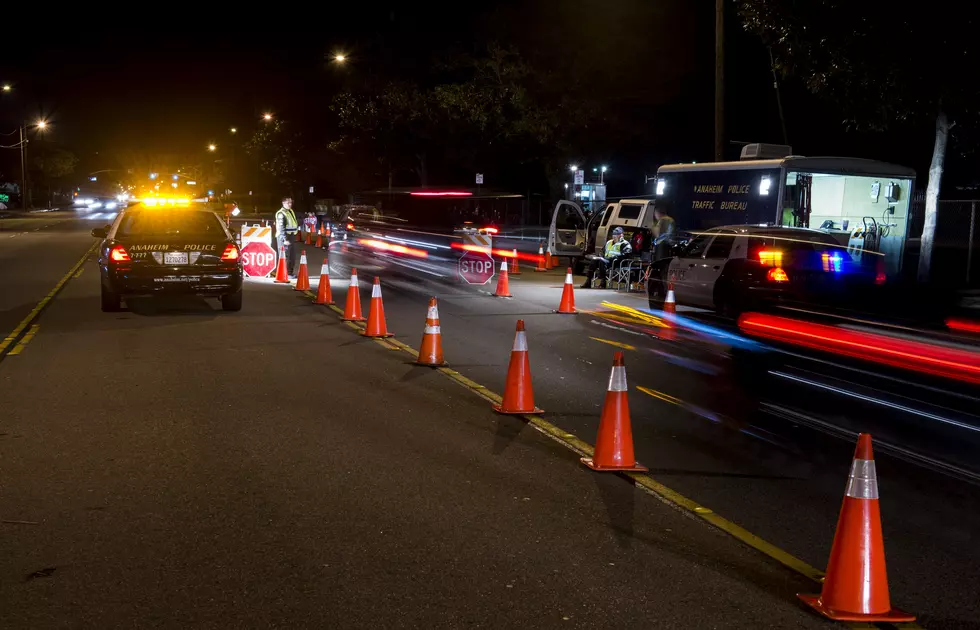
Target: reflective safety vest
[614, 248]
[287, 218]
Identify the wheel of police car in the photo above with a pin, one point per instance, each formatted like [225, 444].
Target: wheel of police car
[232, 301]
[111, 302]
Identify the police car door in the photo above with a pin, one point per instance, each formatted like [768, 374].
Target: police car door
[567, 235]
[706, 272]
[682, 271]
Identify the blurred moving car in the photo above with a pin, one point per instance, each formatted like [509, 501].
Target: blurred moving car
[740, 267]
[169, 251]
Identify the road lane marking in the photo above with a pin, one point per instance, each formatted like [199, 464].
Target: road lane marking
[40, 306]
[615, 344]
[644, 481]
[26, 339]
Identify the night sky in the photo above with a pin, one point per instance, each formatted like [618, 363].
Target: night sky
[176, 93]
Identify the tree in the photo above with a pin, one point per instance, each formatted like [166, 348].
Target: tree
[884, 67]
[54, 164]
[474, 113]
[274, 147]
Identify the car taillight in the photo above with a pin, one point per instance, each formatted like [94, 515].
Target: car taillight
[491, 230]
[118, 254]
[771, 257]
[776, 274]
[350, 226]
[230, 253]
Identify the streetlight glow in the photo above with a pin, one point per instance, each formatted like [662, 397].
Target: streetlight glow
[267, 116]
[7, 87]
[603, 169]
[234, 129]
[340, 57]
[573, 168]
[212, 147]
[41, 124]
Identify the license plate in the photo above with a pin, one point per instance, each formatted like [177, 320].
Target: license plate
[175, 258]
[178, 279]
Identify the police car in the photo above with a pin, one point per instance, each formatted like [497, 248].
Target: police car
[739, 267]
[167, 247]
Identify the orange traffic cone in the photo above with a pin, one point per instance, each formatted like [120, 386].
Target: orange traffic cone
[541, 261]
[503, 282]
[352, 310]
[856, 585]
[282, 276]
[669, 331]
[430, 353]
[515, 269]
[614, 444]
[323, 293]
[319, 239]
[303, 279]
[299, 235]
[518, 394]
[376, 326]
[548, 263]
[554, 259]
[309, 237]
[567, 305]
[670, 304]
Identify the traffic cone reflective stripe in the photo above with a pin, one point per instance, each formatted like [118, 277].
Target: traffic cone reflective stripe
[614, 443]
[548, 263]
[518, 393]
[541, 262]
[515, 269]
[430, 352]
[323, 293]
[567, 305]
[282, 276]
[503, 282]
[376, 326]
[352, 309]
[303, 279]
[670, 303]
[855, 587]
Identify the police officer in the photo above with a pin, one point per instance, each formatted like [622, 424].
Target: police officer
[286, 226]
[617, 247]
[664, 230]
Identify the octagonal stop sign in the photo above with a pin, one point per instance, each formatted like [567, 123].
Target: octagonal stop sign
[476, 267]
[258, 258]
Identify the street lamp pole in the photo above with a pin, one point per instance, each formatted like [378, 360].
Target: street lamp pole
[24, 201]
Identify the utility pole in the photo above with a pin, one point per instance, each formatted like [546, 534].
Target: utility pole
[23, 168]
[719, 80]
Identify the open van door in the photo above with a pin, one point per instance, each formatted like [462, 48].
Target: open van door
[567, 235]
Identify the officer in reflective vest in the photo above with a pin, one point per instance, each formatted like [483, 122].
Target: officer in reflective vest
[615, 248]
[286, 226]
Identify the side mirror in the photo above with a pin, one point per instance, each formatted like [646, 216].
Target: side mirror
[100, 232]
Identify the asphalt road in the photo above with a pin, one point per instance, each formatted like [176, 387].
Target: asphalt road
[174, 465]
[712, 434]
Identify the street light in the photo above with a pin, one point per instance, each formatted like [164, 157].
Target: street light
[7, 87]
[340, 57]
[573, 168]
[41, 124]
[266, 116]
[212, 147]
[602, 173]
[234, 130]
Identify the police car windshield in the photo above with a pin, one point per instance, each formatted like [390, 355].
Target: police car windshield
[169, 223]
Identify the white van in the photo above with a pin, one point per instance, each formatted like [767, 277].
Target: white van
[575, 234]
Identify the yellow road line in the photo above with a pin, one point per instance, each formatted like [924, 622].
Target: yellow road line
[615, 344]
[40, 306]
[26, 339]
[644, 481]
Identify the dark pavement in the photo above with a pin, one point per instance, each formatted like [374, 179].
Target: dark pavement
[712, 434]
[177, 466]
